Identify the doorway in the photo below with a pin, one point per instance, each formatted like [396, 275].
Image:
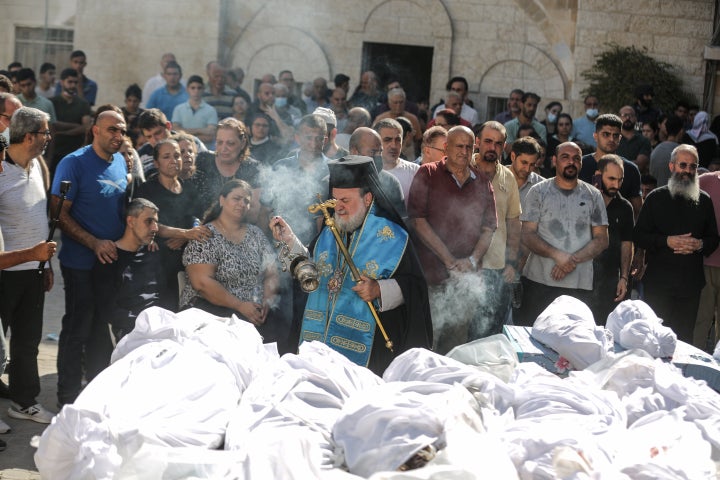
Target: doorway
[409, 64]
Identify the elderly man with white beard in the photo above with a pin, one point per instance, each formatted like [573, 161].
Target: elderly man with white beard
[677, 227]
[338, 312]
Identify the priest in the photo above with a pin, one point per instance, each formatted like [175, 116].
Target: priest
[390, 298]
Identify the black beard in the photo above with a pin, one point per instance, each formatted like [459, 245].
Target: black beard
[570, 176]
[487, 156]
[605, 191]
[628, 125]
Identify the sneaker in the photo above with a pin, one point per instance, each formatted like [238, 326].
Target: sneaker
[36, 413]
[4, 427]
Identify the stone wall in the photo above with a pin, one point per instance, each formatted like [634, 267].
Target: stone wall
[538, 45]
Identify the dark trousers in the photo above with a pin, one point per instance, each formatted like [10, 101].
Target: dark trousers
[22, 297]
[84, 336]
[537, 296]
[603, 298]
[677, 311]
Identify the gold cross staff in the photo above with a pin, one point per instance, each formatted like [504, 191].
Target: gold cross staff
[330, 222]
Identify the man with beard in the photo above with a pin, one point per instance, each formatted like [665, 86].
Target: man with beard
[524, 154]
[565, 228]
[526, 116]
[513, 104]
[677, 227]
[612, 267]
[452, 209]
[644, 109]
[338, 312]
[633, 145]
[500, 263]
[91, 220]
[73, 117]
[607, 138]
[23, 221]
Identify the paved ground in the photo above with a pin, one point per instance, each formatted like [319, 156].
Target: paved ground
[17, 462]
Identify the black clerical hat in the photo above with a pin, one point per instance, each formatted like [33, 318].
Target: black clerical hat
[351, 171]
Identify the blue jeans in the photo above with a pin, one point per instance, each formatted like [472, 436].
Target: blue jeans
[84, 338]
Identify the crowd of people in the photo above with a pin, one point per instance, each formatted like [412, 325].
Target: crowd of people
[429, 227]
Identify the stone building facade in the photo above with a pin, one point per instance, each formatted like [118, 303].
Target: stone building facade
[538, 45]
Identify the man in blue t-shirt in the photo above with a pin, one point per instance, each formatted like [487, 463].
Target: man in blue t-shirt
[170, 95]
[91, 220]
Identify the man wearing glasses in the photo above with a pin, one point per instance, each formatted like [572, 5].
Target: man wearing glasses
[677, 228]
[607, 136]
[564, 227]
[23, 221]
[633, 145]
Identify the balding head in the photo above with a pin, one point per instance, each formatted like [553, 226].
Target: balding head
[166, 58]
[109, 116]
[8, 104]
[365, 141]
[459, 131]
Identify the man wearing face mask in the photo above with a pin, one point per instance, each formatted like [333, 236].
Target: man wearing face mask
[611, 268]
[283, 107]
[265, 103]
[584, 127]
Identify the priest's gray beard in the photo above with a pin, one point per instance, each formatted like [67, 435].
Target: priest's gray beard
[685, 185]
[352, 223]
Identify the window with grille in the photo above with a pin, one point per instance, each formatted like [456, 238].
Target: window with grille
[495, 105]
[37, 45]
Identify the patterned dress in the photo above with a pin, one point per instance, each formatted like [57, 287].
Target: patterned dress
[240, 266]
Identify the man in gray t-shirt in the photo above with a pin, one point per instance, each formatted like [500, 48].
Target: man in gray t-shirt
[564, 227]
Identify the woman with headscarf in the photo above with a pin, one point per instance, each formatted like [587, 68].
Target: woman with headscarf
[703, 139]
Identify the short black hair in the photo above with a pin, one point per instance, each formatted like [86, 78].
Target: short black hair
[46, 66]
[195, 79]
[456, 79]
[68, 72]
[673, 125]
[133, 90]
[340, 78]
[609, 119]
[77, 53]
[648, 180]
[25, 74]
[14, 65]
[527, 95]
